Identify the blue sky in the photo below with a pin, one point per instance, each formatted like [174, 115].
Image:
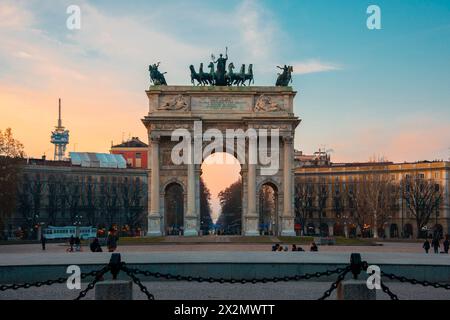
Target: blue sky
[360, 92]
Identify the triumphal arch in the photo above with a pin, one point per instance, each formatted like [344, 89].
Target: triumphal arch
[199, 110]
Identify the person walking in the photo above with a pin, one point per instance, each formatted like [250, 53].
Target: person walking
[77, 243]
[435, 244]
[314, 247]
[43, 242]
[111, 241]
[446, 244]
[95, 246]
[294, 247]
[426, 245]
[71, 243]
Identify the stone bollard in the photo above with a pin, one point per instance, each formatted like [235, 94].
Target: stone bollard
[355, 290]
[114, 290]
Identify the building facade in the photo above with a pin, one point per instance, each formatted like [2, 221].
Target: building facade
[62, 193]
[134, 151]
[402, 223]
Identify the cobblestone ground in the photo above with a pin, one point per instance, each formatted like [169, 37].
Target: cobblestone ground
[169, 290]
[400, 247]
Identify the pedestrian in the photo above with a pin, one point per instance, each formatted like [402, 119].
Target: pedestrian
[77, 243]
[43, 242]
[426, 245]
[71, 243]
[275, 247]
[280, 248]
[300, 249]
[294, 247]
[95, 246]
[111, 241]
[435, 244]
[446, 244]
[314, 247]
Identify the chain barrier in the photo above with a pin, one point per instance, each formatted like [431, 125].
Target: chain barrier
[335, 284]
[414, 281]
[115, 266]
[388, 291]
[98, 276]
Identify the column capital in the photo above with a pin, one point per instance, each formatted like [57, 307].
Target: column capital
[288, 139]
[155, 138]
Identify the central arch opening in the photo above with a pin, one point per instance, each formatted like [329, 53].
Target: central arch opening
[221, 174]
[174, 209]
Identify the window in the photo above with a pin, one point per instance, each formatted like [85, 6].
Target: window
[421, 176]
[138, 155]
[437, 175]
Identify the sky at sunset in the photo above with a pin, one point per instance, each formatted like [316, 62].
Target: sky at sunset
[361, 92]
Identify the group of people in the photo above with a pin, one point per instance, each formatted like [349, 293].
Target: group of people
[111, 243]
[74, 244]
[435, 244]
[278, 247]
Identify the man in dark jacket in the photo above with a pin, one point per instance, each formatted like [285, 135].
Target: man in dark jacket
[426, 245]
[446, 244]
[43, 242]
[435, 244]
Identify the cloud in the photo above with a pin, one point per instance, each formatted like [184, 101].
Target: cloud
[314, 66]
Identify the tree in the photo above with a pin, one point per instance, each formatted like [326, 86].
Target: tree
[372, 201]
[422, 197]
[304, 201]
[205, 207]
[322, 198]
[11, 153]
[231, 204]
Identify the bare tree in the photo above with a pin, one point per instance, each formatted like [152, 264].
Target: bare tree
[375, 199]
[304, 201]
[422, 197]
[322, 198]
[11, 153]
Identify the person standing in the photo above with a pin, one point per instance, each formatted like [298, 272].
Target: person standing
[77, 242]
[43, 242]
[426, 245]
[71, 243]
[446, 244]
[111, 241]
[435, 244]
[314, 247]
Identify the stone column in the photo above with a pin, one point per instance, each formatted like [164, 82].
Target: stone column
[191, 218]
[251, 218]
[154, 217]
[287, 224]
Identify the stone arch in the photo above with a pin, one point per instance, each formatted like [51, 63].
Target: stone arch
[268, 210]
[408, 230]
[173, 209]
[393, 230]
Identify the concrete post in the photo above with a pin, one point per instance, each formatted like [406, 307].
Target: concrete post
[355, 290]
[114, 290]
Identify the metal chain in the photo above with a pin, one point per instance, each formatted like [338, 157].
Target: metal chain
[98, 276]
[414, 281]
[388, 292]
[138, 282]
[38, 284]
[335, 284]
[169, 276]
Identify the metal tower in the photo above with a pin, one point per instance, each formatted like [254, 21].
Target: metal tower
[60, 138]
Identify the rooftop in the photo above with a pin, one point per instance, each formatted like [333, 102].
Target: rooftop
[134, 142]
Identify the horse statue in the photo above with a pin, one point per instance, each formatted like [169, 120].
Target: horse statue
[155, 76]
[231, 77]
[285, 77]
[205, 78]
[194, 76]
[249, 76]
[212, 73]
[240, 77]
